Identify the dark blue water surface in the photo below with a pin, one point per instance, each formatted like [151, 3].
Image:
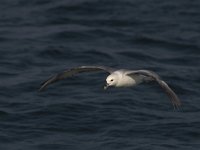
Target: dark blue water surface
[39, 38]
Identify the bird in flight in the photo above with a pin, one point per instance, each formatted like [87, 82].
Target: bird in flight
[118, 78]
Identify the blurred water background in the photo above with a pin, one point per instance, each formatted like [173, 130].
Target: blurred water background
[39, 38]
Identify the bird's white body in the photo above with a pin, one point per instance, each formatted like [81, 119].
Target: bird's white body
[120, 79]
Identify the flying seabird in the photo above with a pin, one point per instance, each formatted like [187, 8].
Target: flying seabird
[118, 78]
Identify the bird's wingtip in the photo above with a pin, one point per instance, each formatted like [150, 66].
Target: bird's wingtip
[41, 89]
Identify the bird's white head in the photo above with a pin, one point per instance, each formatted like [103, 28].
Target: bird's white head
[111, 80]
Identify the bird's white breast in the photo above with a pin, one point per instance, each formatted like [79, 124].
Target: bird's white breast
[127, 81]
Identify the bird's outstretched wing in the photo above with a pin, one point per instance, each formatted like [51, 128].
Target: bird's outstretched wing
[73, 71]
[173, 97]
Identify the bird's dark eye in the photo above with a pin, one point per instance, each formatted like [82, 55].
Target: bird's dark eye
[111, 80]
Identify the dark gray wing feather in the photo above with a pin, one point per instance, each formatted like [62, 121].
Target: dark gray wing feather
[173, 97]
[73, 71]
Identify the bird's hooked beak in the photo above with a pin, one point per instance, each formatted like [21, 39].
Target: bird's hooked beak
[106, 86]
